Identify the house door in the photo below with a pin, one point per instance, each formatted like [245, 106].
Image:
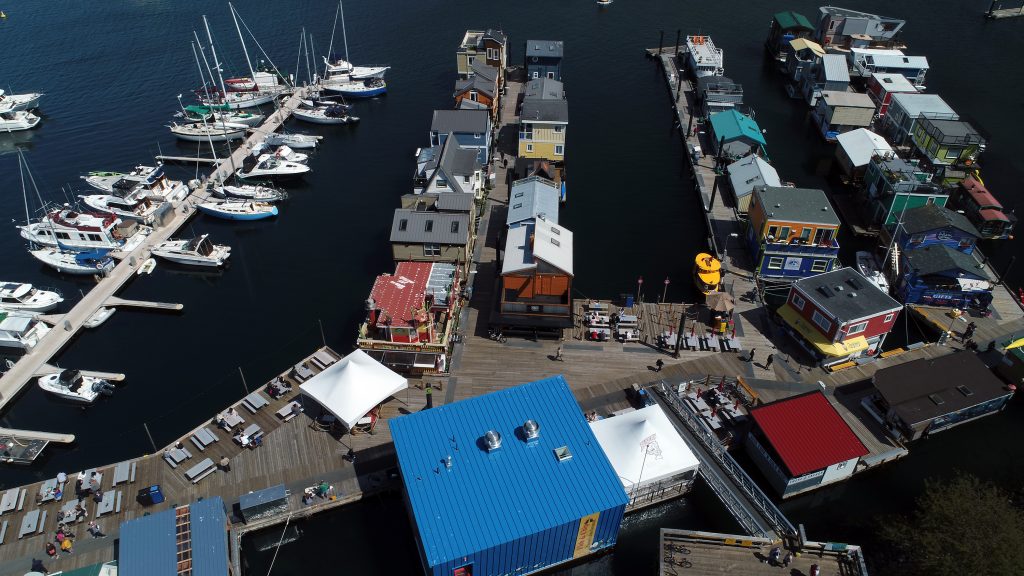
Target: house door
[466, 570]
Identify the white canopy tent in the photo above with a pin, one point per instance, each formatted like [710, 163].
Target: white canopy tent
[350, 388]
[644, 447]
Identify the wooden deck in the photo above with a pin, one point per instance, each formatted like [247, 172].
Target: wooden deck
[293, 453]
[683, 552]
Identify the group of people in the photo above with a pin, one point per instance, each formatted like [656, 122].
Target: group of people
[64, 541]
[321, 490]
[278, 388]
[593, 416]
[775, 557]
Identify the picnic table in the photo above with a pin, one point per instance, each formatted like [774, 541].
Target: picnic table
[107, 504]
[247, 435]
[68, 510]
[9, 500]
[669, 339]
[176, 456]
[201, 470]
[254, 401]
[228, 420]
[302, 372]
[121, 473]
[203, 438]
[47, 490]
[29, 522]
[323, 358]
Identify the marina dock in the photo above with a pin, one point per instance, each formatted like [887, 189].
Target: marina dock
[68, 325]
[690, 552]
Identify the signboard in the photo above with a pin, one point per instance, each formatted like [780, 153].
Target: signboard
[585, 535]
[793, 263]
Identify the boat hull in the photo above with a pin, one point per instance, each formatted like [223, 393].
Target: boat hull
[215, 211]
[296, 141]
[218, 136]
[240, 100]
[355, 90]
[26, 122]
[66, 263]
[305, 116]
[22, 102]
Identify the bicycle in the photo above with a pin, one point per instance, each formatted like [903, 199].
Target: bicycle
[677, 548]
[682, 562]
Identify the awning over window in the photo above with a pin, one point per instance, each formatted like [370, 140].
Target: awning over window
[818, 340]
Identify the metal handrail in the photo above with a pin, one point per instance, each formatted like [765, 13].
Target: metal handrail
[740, 478]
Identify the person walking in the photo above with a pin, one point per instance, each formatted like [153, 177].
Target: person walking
[969, 332]
[558, 354]
[429, 391]
[95, 530]
[768, 361]
[751, 357]
[225, 464]
[787, 560]
[659, 365]
[37, 566]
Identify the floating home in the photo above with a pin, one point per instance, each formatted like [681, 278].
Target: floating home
[906, 109]
[839, 112]
[840, 29]
[489, 47]
[855, 150]
[748, 173]
[785, 27]
[511, 482]
[983, 210]
[882, 86]
[543, 120]
[544, 59]
[792, 233]
[536, 278]
[892, 185]
[950, 147]
[471, 129]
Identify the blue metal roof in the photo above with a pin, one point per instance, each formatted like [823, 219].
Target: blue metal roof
[148, 545]
[732, 125]
[488, 498]
[532, 197]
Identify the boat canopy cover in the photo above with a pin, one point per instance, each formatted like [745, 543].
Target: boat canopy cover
[196, 109]
[90, 256]
[352, 387]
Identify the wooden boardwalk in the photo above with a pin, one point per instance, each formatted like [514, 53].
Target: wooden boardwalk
[29, 365]
[293, 453]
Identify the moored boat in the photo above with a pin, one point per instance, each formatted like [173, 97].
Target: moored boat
[19, 102]
[78, 263]
[271, 166]
[219, 114]
[99, 317]
[297, 141]
[74, 230]
[283, 152]
[351, 88]
[238, 210]
[75, 386]
[218, 132]
[707, 273]
[17, 121]
[250, 192]
[339, 65]
[21, 330]
[868, 267]
[703, 58]
[20, 296]
[325, 115]
[143, 211]
[147, 180]
[198, 251]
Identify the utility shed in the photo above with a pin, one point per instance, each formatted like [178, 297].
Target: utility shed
[263, 503]
[191, 539]
[511, 482]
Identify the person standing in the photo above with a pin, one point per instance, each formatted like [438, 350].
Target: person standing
[429, 391]
[787, 560]
[751, 357]
[768, 361]
[969, 332]
[95, 530]
[558, 354]
[225, 464]
[659, 365]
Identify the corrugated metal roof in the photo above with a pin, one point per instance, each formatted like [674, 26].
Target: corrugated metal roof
[460, 121]
[148, 545]
[849, 99]
[532, 197]
[894, 82]
[861, 144]
[518, 253]
[260, 497]
[751, 171]
[836, 69]
[488, 498]
[731, 125]
[807, 433]
[898, 61]
[553, 244]
[916, 104]
[419, 227]
[399, 295]
[544, 48]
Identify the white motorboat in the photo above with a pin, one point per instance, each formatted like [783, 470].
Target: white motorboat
[328, 115]
[78, 263]
[147, 267]
[250, 192]
[270, 166]
[198, 251]
[99, 317]
[703, 58]
[283, 152]
[148, 180]
[17, 102]
[21, 330]
[868, 266]
[238, 210]
[20, 296]
[342, 66]
[143, 211]
[217, 132]
[84, 231]
[17, 121]
[297, 141]
[73, 385]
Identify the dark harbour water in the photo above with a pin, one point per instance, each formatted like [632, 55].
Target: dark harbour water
[111, 71]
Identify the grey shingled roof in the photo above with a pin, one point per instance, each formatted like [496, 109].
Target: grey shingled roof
[939, 258]
[549, 48]
[454, 202]
[846, 295]
[544, 89]
[461, 121]
[456, 161]
[497, 35]
[933, 217]
[808, 205]
[545, 110]
[440, 232]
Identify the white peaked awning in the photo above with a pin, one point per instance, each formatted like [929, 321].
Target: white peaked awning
[350, 388]
[644, 447]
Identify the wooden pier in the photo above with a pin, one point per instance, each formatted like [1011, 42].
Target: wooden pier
[689, 552]
[12, 382]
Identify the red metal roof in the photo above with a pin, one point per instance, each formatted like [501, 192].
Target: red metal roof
[988, 214]
[398, 295]
[980, 194]
[807, 433]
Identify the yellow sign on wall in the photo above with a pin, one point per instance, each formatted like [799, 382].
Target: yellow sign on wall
[585, 535]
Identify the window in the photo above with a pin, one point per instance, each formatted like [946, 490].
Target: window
[471, 60]
[559, 128]
[819, 266]
[492, 53]
[403, 224]
[551, 75]
[952, 153]
[559, 150]
[478, 135]
[441, 183]
[917, 238]
[824, 323]
[775, 263]
[805, 234]
[431, 249]
[63, 236]
[94, 237]
[773, 232]
[529, 147]
[857, 328]
[556, 231]
[784, 234]
[527, 132]
[536, 74]
[930, 200]
[455, 227]
[472, 95]
[428, 226]
[823, 236]
[465, 179]
[798, 302]
[556, 242]
[889, 317]
[517, 206]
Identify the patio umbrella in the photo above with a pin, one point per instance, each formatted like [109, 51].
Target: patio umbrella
[720, 301]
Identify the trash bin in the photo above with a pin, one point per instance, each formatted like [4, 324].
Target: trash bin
[629, 301]
[150, 496]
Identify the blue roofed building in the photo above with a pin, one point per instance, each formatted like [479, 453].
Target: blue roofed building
[532, 197]
[737, 134]
[511, 482]
[195, 534]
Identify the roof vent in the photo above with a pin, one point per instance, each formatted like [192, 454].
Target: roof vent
[531, 430]
[839, 288]
[492, 440]
[852, 294]
[965, 390]
[777, 205]
[936, 399]
[824, 208]
[562, 453]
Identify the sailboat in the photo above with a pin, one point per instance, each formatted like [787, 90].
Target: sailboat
[220, 113]
[235, 99]
[218, 132]
[348, 80]
[239, 210]
[249, 192]
[325, 115]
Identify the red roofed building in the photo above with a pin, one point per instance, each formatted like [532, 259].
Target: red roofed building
[409, 317]
[983, 210]
[802, 443]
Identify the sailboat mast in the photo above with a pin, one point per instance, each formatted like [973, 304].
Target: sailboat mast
[245, 50]
[344, 36]
[198, 65]
[330, 45]
[216, 63]
[206, 62]
[24, 193]
[305, 50]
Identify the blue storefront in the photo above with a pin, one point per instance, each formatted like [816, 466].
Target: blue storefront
[512, 482]
[941, 276]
